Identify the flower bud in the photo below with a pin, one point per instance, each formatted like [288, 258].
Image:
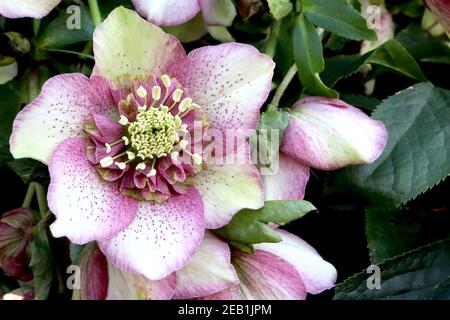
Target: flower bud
[94, 274]
[14, 44]
[430, 24]
[441, 8]
[15, 236]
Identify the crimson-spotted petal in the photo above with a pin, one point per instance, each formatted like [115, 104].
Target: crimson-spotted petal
[58, 113]
[162, 239]
[86, 207]
[230, 81]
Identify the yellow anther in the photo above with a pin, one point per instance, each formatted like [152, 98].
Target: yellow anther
[185, 104]
[141, 92]
[123, 120]
[166, 80]
[176, 97]
[106, 162]
[156, 92]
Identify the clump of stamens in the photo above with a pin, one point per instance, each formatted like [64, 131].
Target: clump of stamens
[155, 131]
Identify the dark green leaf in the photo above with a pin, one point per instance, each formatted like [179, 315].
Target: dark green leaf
[391, 55]
[358, 100]
[390, 232]
[308, 57]
[41, 263]
[339, 17]
[417, 275]
[58, 34]
[416, 155]
[250, 226]
[29, 170]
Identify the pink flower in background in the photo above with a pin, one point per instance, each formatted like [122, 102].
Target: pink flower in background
[441, 8]
[27, 8]
[15, 236]
[325, 134]
[123, 170]
[286, 270]
[174, 12]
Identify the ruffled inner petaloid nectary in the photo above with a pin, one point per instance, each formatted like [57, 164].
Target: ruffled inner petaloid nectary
[154, 142]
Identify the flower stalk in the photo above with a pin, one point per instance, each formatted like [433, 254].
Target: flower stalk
[95, 12]
[273, 105]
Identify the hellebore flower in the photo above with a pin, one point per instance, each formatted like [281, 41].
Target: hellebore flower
[124, 171]
[383, 26]
[15, 236]
[174, 12]
[325, 134]
[441, 8]
[287, 270]
[27, 8]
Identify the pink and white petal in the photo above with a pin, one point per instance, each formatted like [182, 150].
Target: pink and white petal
[27, 8]
[210, 271]
[227, 189]
[167, 12]
[86, 207]
[288, 182]
[129, 47]
[162, 239]
[128, 286]
[58, 113]
[218, 12]
[317, 274]
[230, 81]
[329, 134]
[263, 276]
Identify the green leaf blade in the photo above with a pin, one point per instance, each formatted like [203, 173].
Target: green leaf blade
[339, 17]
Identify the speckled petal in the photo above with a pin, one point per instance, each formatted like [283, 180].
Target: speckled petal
[58, 113]
[263, 276]
[167, 12]
[128, 47]
[162, 239]
[27, 8]
[210, 270]
[230, 81]
[128, 286]
[288, 182]
[317, 274]
[86, 207]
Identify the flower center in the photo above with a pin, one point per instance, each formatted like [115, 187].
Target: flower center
[153, 133]
[150, 148]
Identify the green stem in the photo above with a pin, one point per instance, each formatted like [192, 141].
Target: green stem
[42, 199]
[36, 26]
[81, 54]
[95, 12]
[282, 88]
[29, 195]
[273, 39]
[33, 84]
